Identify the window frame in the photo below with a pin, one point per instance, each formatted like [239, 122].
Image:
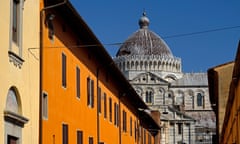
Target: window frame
[90, 92]
[16, 21]
[90, 140]
[64, 70]
[110, 109]
[105, 104]
[45, 105]
[78, 82]
[99, 100]
[124, 121]
[79, 137]
[65, 134]
[199, 99]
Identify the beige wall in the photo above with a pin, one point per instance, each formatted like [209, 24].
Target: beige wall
[225, 77]
[219, 79]
[26, 77]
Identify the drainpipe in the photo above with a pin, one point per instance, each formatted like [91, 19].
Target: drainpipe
[41, 63]
[119, 119]
[98, 125]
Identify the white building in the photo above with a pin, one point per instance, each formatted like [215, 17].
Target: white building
[156, 74]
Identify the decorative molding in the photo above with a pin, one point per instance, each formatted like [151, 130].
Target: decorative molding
[15, 59]
[15, 118]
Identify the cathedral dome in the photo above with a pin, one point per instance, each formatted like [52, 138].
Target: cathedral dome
[144, 42]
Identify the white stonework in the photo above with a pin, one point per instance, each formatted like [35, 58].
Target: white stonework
[182, 98]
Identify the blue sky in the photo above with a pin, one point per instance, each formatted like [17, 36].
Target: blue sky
[114, 21]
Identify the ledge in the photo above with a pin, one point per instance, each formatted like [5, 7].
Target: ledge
[17, 61]
[15, 118]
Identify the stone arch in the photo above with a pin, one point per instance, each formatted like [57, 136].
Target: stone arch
[200, 98]
[128, 65]
[13, 118]
[141, 65]
[132, 65]
[170, 77]
[149, 95]
[163, 65]
[137, 65]
[155, 65]
[13, 101]
[150, 65]
[159, 65]
[174, 66]
[145, 65]
[162, 95]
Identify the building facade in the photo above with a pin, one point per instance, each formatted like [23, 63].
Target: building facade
[225, 90]
[19, 75]
[84, 97]
[156, 75]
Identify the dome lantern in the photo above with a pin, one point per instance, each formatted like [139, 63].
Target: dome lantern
[143, 21]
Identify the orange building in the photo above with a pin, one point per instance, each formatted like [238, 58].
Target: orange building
[84, 97]
[224, 86]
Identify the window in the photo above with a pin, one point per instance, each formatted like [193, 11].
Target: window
[45, 105]
[79, 137]
[99, 100]
[110, 109]
[14, 121]
[90, 140]
[130, 126]
[64, 70]
[179, 128]
[12, 140]
[15, 21]
[115, 114]
[65, 134]
[90, 92]
[199, 99]
[15, 43]
[78, 82]
[105, 105]
[124, 121]
[116, 117]
[149, 97]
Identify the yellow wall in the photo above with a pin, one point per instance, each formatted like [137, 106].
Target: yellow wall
[26, 78]
[231, 127]
[225, 75]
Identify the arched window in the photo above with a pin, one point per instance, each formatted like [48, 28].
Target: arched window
[149, 97]
[162, 95]
[13, 119]
[199, 99]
